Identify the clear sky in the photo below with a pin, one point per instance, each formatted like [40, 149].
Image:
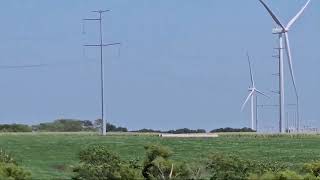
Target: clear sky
[181, 63]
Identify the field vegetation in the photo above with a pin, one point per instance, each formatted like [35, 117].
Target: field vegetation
[56, 155]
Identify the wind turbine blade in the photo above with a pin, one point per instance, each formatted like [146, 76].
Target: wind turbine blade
[293, 20]
[244, 104]
[251, 75]
[272, 15]
[288, 50]
[262, 93]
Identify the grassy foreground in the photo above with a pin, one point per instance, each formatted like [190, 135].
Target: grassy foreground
[52, 155]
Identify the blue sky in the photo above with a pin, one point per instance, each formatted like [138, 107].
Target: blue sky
[181, 63]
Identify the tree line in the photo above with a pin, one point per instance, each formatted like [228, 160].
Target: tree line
[74, 125]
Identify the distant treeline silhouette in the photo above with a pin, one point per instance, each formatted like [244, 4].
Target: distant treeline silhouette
[189, 131]
[15, 128]
[74, 125]
[177, 131]
[228, 129]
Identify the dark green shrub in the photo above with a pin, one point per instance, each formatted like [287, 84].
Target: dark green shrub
[288, 175]
[97, 162]
[225, 167]
[222, 166]
[261, 167]
[9, 168]
[312, 168]
[281, 175]
[158, 166]
[11, 171]
[310, 177]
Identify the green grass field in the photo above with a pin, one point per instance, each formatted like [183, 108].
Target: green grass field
[51, 155]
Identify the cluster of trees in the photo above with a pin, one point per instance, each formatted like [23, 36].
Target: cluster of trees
[98, 162]
[228, 129]
[65, 125]
[177, 131]
[110, 127]
[147, 131]
[15, 128]
[62, 125]
[188, 131]
[113, 128]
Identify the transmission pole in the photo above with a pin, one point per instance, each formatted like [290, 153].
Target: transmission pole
[279, 56]
[257, 114]
[101, 45]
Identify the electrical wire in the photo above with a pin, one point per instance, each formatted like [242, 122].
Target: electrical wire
[22, 66]
[32, 66]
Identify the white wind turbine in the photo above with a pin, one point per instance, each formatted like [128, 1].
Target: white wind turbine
[282, 31]
[253, 91]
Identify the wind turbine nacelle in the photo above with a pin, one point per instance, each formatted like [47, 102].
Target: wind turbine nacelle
[277, 30]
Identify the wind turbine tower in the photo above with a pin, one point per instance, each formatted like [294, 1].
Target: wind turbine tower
[282, 32]
[253, 91]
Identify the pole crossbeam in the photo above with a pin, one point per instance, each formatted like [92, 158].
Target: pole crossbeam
[98, 45]
[92, 19]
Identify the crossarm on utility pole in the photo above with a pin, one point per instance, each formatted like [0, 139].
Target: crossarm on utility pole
[97, 45]
[92, 19]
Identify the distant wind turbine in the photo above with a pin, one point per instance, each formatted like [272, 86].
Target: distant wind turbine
[282, 31]
[253, 91]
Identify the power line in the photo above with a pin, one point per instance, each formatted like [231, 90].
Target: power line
[22, 66]
[45, 65]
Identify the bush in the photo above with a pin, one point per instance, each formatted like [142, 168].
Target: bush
[233, 167]
[281, 175]
[97, 162]
[11, 171]
[158, 166]
[9, 168]
[312, 168]
[226, 167]
[262, 167]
